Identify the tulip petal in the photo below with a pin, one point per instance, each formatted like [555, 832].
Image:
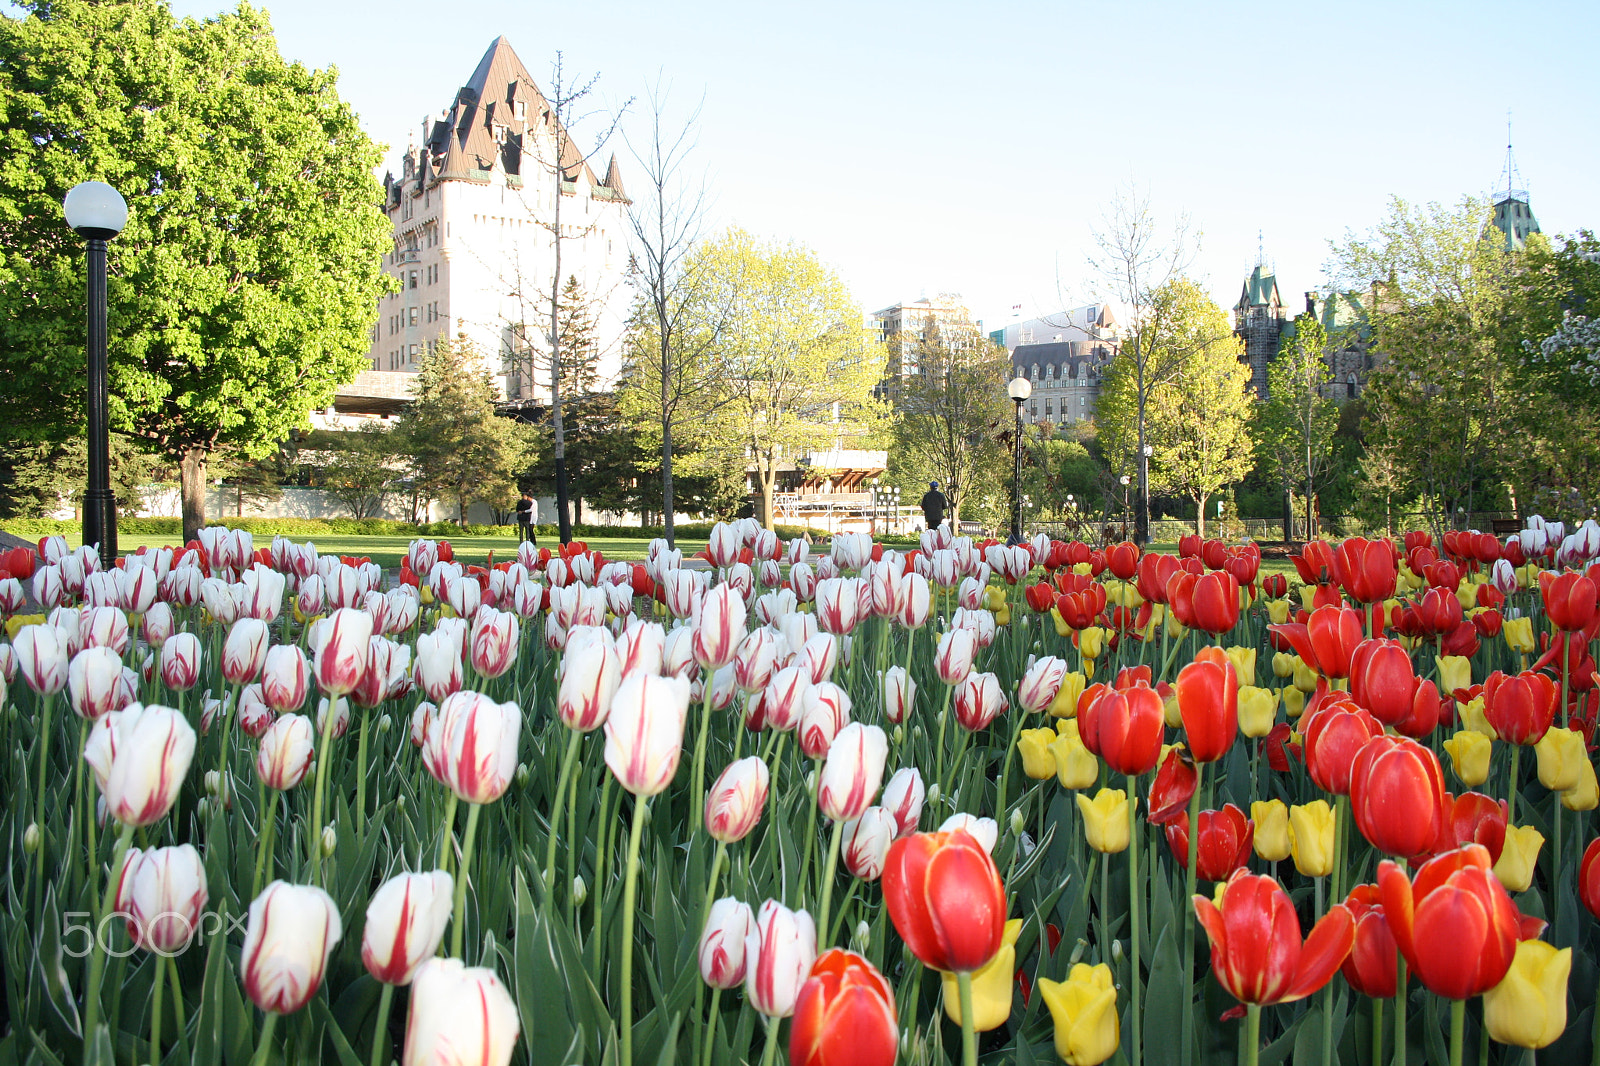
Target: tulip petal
[1324, 951]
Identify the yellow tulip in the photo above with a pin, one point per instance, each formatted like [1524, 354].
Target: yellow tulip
[1311, 838]
[1175, 629]
[1560, 751]
[1528, 1008]
[1084, 1008]
[1158, 616]
[1294, 701]
[1409, 577]
[1305, 678]
[1076, 766]
[1037, 760]
[425, 593]
[1272, 829]
[1065, 705]
[996, 597]
[1472, 717]
[1283, 663]
[17, 621]
[1467, 595]
[1082, 569]
[1308, 596]
[1469, 756]
[1518, 857]
[1278, 611]
[1528, 575]
[991, 986]
[1519, 634]
[1091, 642]
[1170, 711]
[1244, 663]
[1455, 671]
[1002, 617]
[1258, 710]
[1585, 795]
[1062, 629]
[1105, 819]
[1388, 607]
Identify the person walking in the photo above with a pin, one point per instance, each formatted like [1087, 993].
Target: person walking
[527, 518]
[933, 505]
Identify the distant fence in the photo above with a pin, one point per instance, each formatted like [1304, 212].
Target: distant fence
[1102, 530]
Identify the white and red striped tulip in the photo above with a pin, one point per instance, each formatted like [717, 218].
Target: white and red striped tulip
[156, 625]
[94, 682]
[770, 573]
[641, 647]
[291, 932]
[903, 797]
[387, 674]
[41, 652]
[420, 717]
[340, 724]
[898, 690]
[771, 606]
[590, 672]
[720, 625]
[682, 591]
[741, 577]
[952, 660]
[779, 953]
[723, 545]
[986, 831]
[471, 746]
[340, 644]
[421, 555]
[53, 549]
[140, 756]
[264, 590]
[309, 601]
[406, 919]
[980, 622]
[12, 598]
[838, 604]
[1011, 563]
[217, 596]
[404, 605]
[438, 664]
[803, 582]
[756, 659]
[819, 655]
[785, 697]
[244, 653]
[459, 1014]
[796, 551]
[978, 700]
[104, 627]
[162, 894]
[619, 599]
[285, 678]
[853, 771]
[495, 639]
[644, 733]
[865, 846]
[1041, 683]
[723, 688]
[180, 662]
[48, 588]
[851, 551]
[884, 583]
[677, 654]
[722, 943]
[825, 710]
[254, 715]
[797, 627]
[736, 799]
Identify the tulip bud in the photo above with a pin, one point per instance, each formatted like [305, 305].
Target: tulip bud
[459, 1014]
[779, 953]
[644, 733]
[285, 752]
[865, 842]
[406, 920]
[1018, 822]
[522, 775]
[140, 756]
[862, 936]
[722, 951]
[580, 891]
[329, 841]
[986, 831]
[736, 800]
[934, 793]
[292, 929]
[162, 893]
[32, 838]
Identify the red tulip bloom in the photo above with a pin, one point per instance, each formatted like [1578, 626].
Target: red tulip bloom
[1370, 967]
[1382, 679]
[845, 1014]
[1439, 610]
[1276, 745]
[1256, 951]
[1366, 568]
[1174, 784]
[1454, 923]
[1462, 641]
[1123, 560]
[1080, 610]
[1476, 819]
[1569, 599]
[1155, 570]
[1326, 640]
[1214, 554]
[1589, 877]
[1397, 795]
[1208, 699]
[1520, 707]
[1334, 733]
[1124, 727]
[1275, 585]
[1427, 709]
[1041, 597]
[1442, 574]
[1315, 563]
[1189, 546]
[945, 899]
[1213, 603]
[1226, 840]
[1418, 538]
[1488, 622]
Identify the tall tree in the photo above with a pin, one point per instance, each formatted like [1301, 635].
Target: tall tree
[242, 290]
[1137, 259]
[791, 354]
[363, 467]
[951, 410]
[1295, 425]
[460, 448]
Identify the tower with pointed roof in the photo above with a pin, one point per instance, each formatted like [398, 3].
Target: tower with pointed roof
[1260, 320]
[474, 211]
[1512, 215]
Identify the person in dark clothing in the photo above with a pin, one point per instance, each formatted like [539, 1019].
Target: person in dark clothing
[527, 515]
[933, 505]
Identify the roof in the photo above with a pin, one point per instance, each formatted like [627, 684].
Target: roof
[1059, 354]
[1260, 289]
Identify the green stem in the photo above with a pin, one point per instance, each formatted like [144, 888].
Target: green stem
[1377, 1032]
[1511, 787]
[769, 1054]
[1400, 1011]
[811, 830]
[97, 953]
[1187, 1054]
[944, 716]
[574, 740]
[84, 812]
[459, 930]
[629, 890]
[264, 1041]
[1594, 1040]
[969, 1035]
[711, 1026]
[380, 1031]
[697, 814]
[177, 994]
[269, 829]
[1005, 768]
[602, 874]
[361, 777]
[1252, 1034]
[324, 757]
[447, 830]
[827, 884]
[1135, 890]
[155, 1015]
[1458, 1024]
[711, 884]
[955, 764]
[45, 729]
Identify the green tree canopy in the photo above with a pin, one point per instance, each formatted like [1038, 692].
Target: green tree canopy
[243, 288]
[1295, 425]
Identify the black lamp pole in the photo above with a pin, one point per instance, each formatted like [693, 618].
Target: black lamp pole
[98, 212]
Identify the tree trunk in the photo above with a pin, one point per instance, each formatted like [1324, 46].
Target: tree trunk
[192, 488]
[1200, 514]
[766, 481]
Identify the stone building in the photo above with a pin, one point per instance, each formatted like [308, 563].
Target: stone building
[1262, 322]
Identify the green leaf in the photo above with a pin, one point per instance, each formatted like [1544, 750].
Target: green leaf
[1163, 1003]
[347, 1054]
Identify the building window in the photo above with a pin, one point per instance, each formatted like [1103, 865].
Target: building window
[413, 280]
[411, 351]
[412, 315]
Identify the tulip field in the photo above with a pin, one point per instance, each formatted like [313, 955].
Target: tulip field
[820, 805]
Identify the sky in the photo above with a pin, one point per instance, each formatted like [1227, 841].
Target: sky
[974, 148]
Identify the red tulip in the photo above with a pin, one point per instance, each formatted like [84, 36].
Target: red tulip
[1427, 708]
[1569, 599]
[1487, 622]
[1370, 968]
[1256, 951]
[1520, 707]
[1314, 563]
[1326, 641]
[1462, 641]
[1454, 923]
[1125, 728]
[1080, 610]
[945, 898]
[1473, 818]
[1226, 840]
[1442, 574]
[1275, 586]
[1440, 610]
[1208, 699]
[1277, 746]
[1041, 597]
[1209, 603]
[1189, 546]
[1397, 795]
[1589, 877]
[1382, 679]
[1244, 563]
[1123, 560]
[1155, 570]
[1367, 569]
[1174, 784]
[1334, 733]
[845, 1014]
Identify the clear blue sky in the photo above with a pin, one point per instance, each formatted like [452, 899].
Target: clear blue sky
[930, 147]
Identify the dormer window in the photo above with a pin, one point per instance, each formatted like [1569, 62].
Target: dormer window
[520, 109]
[499, 134]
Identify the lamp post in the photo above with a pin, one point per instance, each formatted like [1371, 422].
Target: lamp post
[97, 212]
[1141, 529]
[1019, 389]
[1125, 479]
